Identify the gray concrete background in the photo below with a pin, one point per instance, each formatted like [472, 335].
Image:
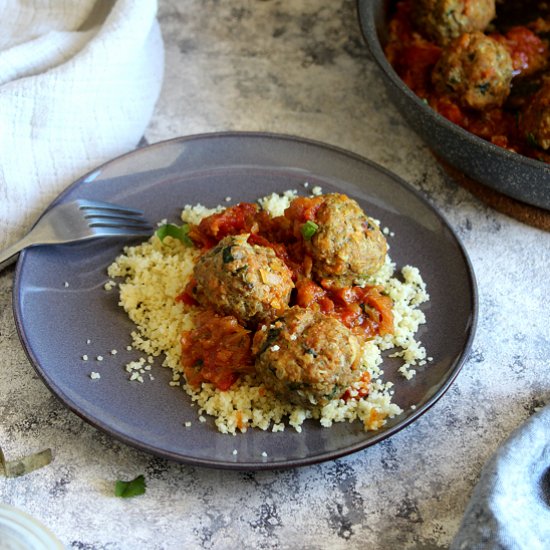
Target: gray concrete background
[297, 67]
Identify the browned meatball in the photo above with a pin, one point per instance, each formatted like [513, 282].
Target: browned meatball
[535, 120]
[307, 358]
[348, 245]
[443, 20]
[476, 70]
[247, 281]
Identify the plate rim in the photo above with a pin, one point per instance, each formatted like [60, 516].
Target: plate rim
[215, 463]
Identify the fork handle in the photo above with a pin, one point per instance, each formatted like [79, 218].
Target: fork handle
[9, 255]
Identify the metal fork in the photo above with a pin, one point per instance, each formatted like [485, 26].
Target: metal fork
[77, 221]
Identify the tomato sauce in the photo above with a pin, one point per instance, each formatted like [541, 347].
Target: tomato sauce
[218, 349]
[414, 57]
[529, 53]
[230, 221]
[282, 233]
[365, 310]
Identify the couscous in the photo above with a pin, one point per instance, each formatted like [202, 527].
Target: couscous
[267, 316]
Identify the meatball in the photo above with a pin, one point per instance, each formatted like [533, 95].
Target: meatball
[247, 281]
[347, 245]
[306, 357]
[535, 120]
[443, 20]
[476, 70]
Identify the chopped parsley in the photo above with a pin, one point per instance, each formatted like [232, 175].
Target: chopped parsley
[333, 393]
[227, 256]
[271, 336]
[24, 465]
[133, 488]
[531, 140]
[311, 351]
[484, 88]
[308, 229]
[176, 232]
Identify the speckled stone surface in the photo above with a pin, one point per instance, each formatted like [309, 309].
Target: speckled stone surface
[297, 67]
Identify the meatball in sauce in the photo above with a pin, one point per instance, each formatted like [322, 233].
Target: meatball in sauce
[247, 281]
[307, 358]
[348, 246]
[298, 282]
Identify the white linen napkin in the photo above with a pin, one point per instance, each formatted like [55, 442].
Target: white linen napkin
[79, 80]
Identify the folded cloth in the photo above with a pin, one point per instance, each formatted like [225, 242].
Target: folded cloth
[78, 84]
[510, 506]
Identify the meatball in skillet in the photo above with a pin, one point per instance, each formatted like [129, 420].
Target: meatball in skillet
[443, 20]
[307, 358]
[247, 281]
[476, 70]
[535, 120]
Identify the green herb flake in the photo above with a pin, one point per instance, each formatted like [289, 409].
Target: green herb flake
[133, 488]
[484, 87]
[227, 256]
[531, 140]
[181, 233]
[271, 336]
[365, 308]
[24, 465]
[308, 229]
[335, 391]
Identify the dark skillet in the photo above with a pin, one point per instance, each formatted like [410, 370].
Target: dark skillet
[512, 174]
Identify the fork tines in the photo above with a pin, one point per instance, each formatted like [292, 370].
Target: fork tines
[105, 214]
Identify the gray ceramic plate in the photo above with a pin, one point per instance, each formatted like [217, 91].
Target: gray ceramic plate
[60, 302]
